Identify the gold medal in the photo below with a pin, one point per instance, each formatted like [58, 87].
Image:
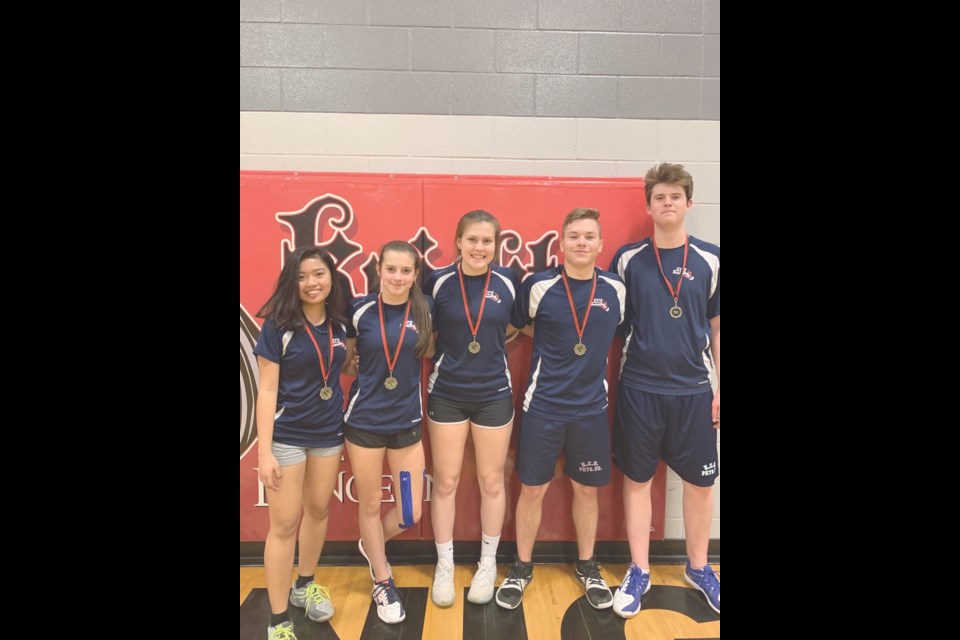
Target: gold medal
[473, 347]
[325, 392]
[391, 383]
[579, 348]
[675, 310]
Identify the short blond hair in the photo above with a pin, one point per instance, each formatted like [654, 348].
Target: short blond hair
[581, 213]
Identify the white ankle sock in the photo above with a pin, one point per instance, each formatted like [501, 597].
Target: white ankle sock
[489, 546]
[445, 550]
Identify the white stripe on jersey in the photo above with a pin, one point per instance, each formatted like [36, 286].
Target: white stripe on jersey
[346, 416]
[625, 257]
[626, 347]
[419, 395]
[436, 372]
[533, 386]
[506, 372]
[279, 413]
[714, 263]
[284, 341]
[439, 282]
[537, 292]
[360, 312]
[506, 282]
[621, 295]
[707, 356]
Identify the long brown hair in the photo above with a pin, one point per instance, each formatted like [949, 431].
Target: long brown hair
[418, 303]
[284, 304]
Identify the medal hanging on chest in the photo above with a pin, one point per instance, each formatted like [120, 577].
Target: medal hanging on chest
[579, 348]
[675, 310]
[325, 392]
[473, 347]
[391, 383]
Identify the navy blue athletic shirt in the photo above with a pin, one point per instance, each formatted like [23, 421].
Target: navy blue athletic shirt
[302, 418]
[562, 384]
[667, 355]
[372, 406]
[457, 373]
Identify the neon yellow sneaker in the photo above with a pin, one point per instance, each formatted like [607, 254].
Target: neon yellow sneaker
[315, 599]
[283, 631]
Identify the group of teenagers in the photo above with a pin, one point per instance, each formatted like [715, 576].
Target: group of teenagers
[662, 293]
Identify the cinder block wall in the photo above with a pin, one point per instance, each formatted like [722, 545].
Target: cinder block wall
[509, 87]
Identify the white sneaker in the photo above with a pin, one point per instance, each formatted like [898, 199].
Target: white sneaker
[443, 594]
[389, 602]
[481, 587]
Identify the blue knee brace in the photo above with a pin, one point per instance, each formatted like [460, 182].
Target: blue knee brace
[406, 501]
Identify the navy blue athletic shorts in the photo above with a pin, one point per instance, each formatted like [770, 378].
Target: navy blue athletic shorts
[679, 429]
[586, 442]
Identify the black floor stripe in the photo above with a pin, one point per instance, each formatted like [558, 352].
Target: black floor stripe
[580, 620]
[492, 622]
[689, 602]
[415, 606]
[255, 616]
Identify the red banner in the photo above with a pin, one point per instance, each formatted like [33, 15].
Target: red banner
[352, 215]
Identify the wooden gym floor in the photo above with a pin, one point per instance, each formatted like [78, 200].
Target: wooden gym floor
[554, 608]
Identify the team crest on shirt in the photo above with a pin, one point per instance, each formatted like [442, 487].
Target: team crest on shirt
[338, 343]
[493, 296]
[412, 325]
[600, 302]
[686, 273]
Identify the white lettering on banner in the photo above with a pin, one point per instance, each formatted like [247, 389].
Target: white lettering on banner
[345, 488]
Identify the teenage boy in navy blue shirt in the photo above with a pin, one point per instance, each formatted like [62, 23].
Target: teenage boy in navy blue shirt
[665, 405]
[576, 308]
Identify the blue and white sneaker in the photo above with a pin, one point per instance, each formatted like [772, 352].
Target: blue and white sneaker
[626, 603]
[707, 582]
[389, 602]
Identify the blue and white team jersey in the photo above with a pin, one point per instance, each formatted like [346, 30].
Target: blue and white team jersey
[302, 418]
[372, 406]
[666, 355]
[562, 384]
[457, 373]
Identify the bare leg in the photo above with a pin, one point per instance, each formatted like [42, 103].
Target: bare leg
[447, 445]
[318, 483]
[697, 514]
[638, 511]
[491, 446]
[585, 514]
[529, 512]
[409, 459]
[285, 507]
[367, 465]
